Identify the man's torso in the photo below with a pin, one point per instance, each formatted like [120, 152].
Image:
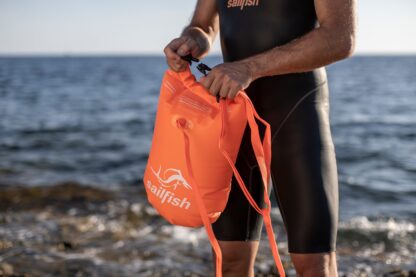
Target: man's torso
[248, 27]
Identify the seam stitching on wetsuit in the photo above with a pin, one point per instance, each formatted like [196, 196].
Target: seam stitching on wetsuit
[281, 208]
[295, 106]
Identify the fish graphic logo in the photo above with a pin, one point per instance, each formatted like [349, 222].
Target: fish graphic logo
[172, 178]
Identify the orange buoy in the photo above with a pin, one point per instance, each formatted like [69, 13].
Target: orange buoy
[194, 148]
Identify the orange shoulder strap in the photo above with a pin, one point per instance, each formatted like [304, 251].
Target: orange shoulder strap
[263, 156]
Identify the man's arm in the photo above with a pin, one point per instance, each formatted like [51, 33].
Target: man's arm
[197, 37]
[333, 40]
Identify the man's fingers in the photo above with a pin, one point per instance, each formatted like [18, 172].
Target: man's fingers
[224, 91]
[189, 47]
[182, 66]
[215, 87]
[171, 50]
[183, 50]
[173, 59]
[176, 67]
[233, 92]
[176, 43]
[206, 81]
[170, 54]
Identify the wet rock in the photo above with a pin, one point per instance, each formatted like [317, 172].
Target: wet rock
[5, 244]
[75, 230]
[399, 273]
[59, 196]
[6, 269]
[65, 245]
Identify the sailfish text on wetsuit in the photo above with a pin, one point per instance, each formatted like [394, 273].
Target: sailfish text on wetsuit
[242, 3]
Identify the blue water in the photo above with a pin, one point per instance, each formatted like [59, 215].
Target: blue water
[90, 120]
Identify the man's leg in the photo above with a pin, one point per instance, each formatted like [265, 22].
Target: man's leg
[304, 173]
[239, 227]
[315, 265]
[238, 258]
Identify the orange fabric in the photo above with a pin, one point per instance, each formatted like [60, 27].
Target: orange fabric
[194, 149]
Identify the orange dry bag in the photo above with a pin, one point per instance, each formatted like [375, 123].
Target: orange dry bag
[194, 148]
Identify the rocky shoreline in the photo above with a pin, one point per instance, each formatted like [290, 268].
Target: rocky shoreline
[71, 229]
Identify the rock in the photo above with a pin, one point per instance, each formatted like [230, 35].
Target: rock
[399, 273]
[65, 245]
[6, 269]
[4, 244]
[61, 195]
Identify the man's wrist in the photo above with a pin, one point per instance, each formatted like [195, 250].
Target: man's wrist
[253, 67]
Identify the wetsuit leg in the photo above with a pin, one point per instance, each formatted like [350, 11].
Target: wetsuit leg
[240, 221]
[303, 168]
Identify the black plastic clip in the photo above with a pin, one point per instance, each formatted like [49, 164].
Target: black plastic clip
[203, 68]
[189, 59]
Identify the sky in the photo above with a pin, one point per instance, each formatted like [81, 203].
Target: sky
[145, 27]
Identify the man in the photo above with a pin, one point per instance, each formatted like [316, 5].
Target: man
[276, 51]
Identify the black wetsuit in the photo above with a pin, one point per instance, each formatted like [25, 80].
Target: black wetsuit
[303, 167]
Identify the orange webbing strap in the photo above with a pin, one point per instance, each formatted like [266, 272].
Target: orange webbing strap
[200, 204]
[263, 156]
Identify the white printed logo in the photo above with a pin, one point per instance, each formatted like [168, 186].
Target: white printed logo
[168, 183]
[173, 181]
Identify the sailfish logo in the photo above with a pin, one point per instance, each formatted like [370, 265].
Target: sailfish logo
[172, 178]
[242, 3]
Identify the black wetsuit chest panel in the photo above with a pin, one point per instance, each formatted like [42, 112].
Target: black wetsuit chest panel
[247, 28]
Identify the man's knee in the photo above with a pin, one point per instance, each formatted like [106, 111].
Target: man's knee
[319, 264]
[238, 257]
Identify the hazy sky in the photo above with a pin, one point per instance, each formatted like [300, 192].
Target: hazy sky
[138, 26]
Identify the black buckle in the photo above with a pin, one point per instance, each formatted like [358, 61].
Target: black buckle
[203, 68]
[189, 59]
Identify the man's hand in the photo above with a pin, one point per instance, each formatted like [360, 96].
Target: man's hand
[228, 79]
[180, 47]
[196, 39]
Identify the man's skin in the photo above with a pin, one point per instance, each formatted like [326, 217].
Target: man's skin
[333, 40]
